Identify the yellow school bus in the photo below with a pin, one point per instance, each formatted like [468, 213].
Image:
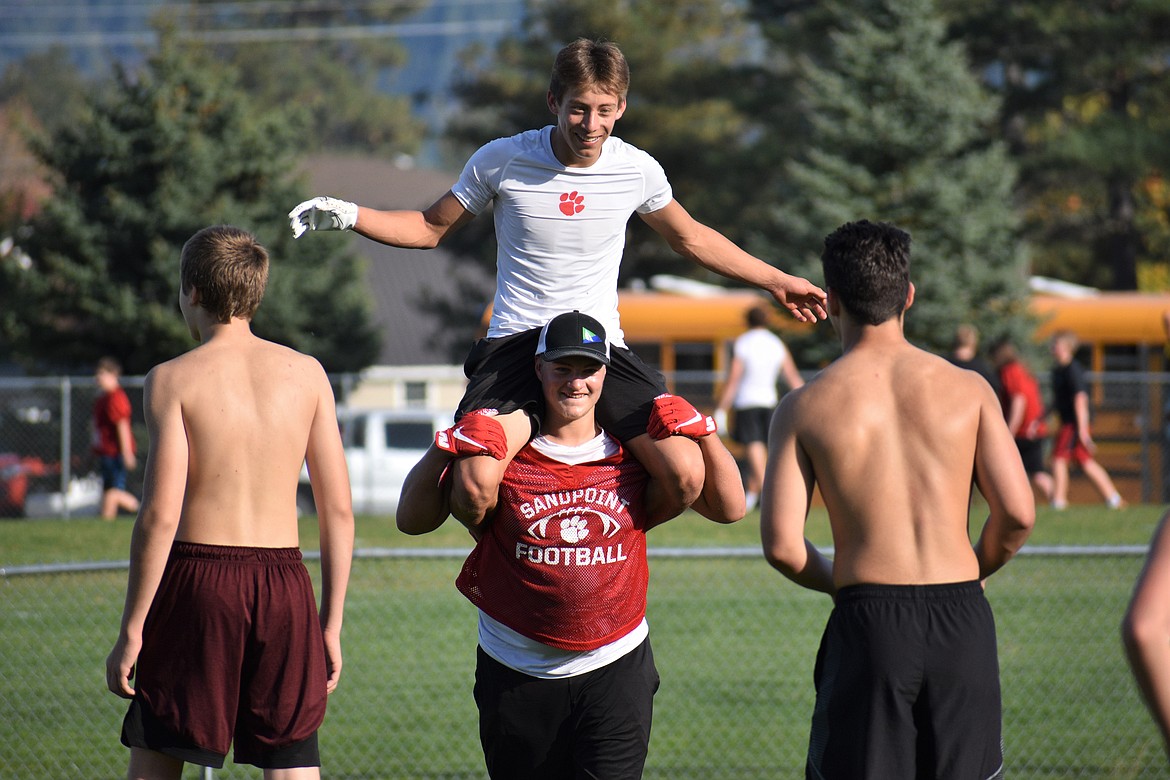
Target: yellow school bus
[1122, 330]
[689, 339]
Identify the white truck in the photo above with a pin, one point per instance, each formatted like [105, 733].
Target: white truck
[381, 447]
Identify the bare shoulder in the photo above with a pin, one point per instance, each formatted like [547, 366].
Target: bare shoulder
[800, 405]
[296, 360]
[964, 380]
[166, 377]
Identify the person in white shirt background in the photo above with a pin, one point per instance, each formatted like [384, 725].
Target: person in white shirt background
[758, 360]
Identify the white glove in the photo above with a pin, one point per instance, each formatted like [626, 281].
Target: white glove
[322, 214]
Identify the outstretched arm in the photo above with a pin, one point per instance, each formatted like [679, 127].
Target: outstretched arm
[714, 251]
[402, 228]
[1145, 631]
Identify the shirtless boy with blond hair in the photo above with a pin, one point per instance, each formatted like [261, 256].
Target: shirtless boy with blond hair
[907, 673]
[230, 424]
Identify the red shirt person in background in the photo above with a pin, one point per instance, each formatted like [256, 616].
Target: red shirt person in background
[1024, 409]
[113, 441]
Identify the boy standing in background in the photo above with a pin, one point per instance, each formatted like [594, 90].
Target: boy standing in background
[113, 440]
[1070, 394]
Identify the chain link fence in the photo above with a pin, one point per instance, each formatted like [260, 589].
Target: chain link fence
[734, 643]
[733, 640]
[47, 468]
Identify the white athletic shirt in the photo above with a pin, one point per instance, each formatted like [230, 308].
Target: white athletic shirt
[537, 659]
[560, 231]
[763, 354]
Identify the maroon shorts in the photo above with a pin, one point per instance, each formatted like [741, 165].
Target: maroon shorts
[1069, 445]
[231, 650]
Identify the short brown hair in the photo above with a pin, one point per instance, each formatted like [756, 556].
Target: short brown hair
[228, 267]
[585, 64]
[966, 335]
[1068, 338]
[108, 364]
[757, 317]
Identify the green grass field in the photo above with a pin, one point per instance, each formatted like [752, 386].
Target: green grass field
[29, 542]
[733, 640]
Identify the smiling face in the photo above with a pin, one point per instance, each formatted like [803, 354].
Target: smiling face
[571, 386]
[584, 120]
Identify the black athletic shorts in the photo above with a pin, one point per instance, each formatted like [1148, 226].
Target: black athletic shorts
[1032, 453]
[907, 681]
[751, 424]
[501, 374]
[594, 725]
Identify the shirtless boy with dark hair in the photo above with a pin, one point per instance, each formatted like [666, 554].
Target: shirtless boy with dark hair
[230, 424]
[907, 673]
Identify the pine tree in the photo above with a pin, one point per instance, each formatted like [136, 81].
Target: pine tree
[900, 131]
[162, 153]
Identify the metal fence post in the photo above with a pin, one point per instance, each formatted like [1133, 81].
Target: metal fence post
[66, 440]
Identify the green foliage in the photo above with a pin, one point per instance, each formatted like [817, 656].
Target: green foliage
[330, 77]
[48, 86]
[900, 131]
[160, 154]
[1085, 89]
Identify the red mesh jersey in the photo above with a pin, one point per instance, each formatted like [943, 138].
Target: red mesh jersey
[564, 558]
[108, 409]
[1016, 380]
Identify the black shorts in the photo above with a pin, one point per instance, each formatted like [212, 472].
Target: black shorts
[594, 725]
[501, 374]
[907, 681]
[1032, 453]
[751, 424]
[232, 652]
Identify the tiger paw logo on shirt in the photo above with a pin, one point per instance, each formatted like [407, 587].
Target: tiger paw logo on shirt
[572, 526]
[572, 203]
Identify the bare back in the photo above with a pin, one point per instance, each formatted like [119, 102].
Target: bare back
[891, 435]
[248, 412]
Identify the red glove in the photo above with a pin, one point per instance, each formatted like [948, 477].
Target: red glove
[673, 415]
[476, 433]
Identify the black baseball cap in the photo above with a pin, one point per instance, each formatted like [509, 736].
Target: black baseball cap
[571, 334]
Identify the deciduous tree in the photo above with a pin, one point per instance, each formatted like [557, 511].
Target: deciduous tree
[165, 151]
